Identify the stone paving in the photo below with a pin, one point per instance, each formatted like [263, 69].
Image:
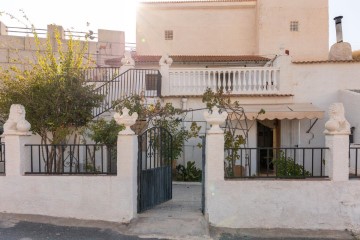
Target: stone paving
[179, 218]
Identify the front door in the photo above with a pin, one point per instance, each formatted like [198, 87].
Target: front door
[154, 168]
[267, 139]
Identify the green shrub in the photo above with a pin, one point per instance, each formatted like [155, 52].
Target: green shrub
[190, 173]
[286, 167]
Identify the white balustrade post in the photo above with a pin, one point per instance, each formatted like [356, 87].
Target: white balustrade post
[165, 63]
[284, 79]
[214, 150]
[127, 63]
[16, 135]
[127, 149]
[337, 131]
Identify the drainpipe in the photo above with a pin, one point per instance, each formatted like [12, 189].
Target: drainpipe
[183, 107]
[339, 32]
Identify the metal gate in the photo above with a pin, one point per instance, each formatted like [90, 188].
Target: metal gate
[154, 168]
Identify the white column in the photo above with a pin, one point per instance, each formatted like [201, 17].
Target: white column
[284, 78]
[127, 157]
[337, 157]
[214, 150]
[16, 135]
[165, 63]
[15, 153]
[337, 140]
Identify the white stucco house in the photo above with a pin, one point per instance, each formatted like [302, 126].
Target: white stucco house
[271, 55]
[267, 54]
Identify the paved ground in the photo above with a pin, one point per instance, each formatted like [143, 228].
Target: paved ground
[180, 218]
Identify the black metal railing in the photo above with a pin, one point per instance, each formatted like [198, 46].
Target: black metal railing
[71, 159]
[354, 161]
[2, 158]
[275, 163]
[101, 74]
[144, 82]
[25, 31]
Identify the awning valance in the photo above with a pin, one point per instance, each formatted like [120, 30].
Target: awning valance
[283, 111]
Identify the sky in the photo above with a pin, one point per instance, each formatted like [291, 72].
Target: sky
[84, 15]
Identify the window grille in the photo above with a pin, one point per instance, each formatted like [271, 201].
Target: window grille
[169, 35]
[294, 26]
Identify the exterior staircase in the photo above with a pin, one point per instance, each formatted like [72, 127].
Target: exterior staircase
[117, 86]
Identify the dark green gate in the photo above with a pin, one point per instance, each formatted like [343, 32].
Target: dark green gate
[154, 168]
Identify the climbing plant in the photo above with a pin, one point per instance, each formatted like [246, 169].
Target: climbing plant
[237, 125]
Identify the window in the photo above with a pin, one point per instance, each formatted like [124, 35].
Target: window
[294, 26]
[169, 35]
[151, 81]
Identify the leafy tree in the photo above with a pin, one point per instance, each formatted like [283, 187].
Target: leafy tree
[52, 89]
[105, 132]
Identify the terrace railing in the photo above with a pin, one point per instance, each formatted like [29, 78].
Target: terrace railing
[275, 163]
[54, 159]
[244, 80]
[2, 158]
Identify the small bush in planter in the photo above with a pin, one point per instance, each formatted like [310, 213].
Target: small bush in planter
[286, 167]
[188, 173]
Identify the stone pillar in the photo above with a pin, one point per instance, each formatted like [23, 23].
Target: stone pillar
[337, 131]
[3, 29]
[165, 63]
[53, 29]
[16, 135]
[127, 154]
[214, 151]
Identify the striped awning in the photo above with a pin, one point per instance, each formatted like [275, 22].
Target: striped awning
[283, 111]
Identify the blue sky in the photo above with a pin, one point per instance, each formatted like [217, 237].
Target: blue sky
[120, 15]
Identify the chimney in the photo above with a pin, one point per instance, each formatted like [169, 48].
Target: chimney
[338, 25]
[340, 51]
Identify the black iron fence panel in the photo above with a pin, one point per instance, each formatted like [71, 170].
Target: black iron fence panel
[275, 163]
[2, 158]
[354, 161]
[71, 159]
[101, 74]
[154, 168]
[143, 82]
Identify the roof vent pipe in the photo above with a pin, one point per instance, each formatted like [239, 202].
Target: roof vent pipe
[338, 25]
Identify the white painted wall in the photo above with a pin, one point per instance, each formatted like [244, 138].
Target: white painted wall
[234, 28]
[107, 198]
[298, 204]
[351, 101]
[285, 204]
[320, 84]
[273, 28]
[81, 197]
[222, 28]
